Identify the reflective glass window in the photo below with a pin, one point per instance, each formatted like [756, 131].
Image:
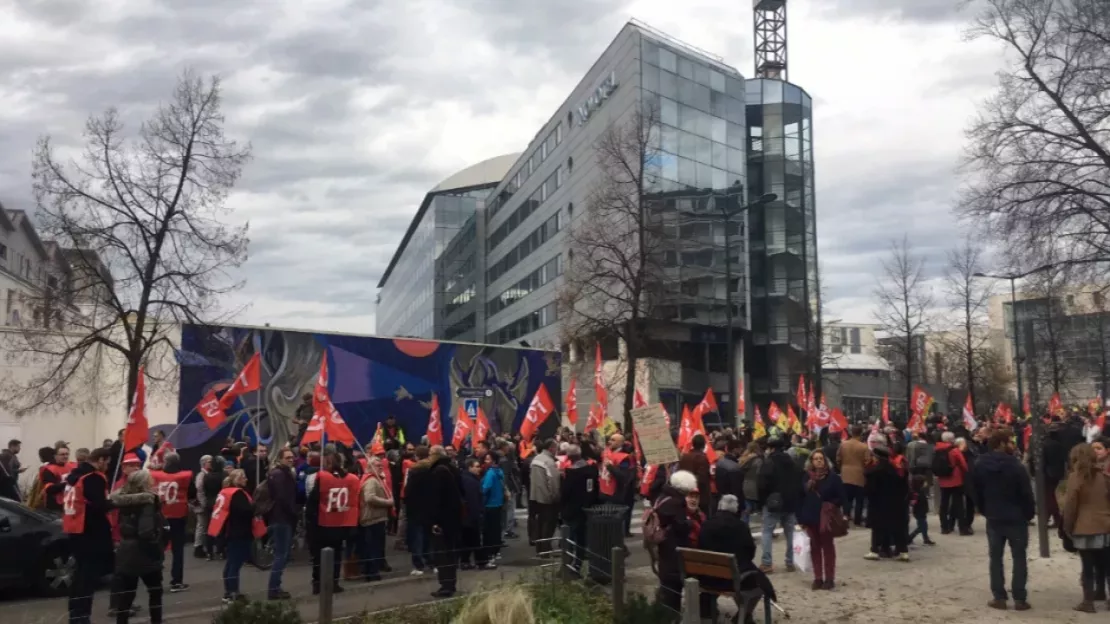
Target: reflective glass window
[685, 68]
[718, 104]
[687, 172]
[669, 140]
[699, 97]
[650, 78]
[685, 90]
[687, 118]
[704, 150]
[735, 159]
[687, 145]
[736, 87]
[718, 129]
[705, 124]
[668, 111]
[717, 81]
[701, 74]
[792, 94]
[720, 155]
[736, 112]
[704, 175]
[668, 85]
[772, 91]
[650, 52]
[720, 178]
[735, 134]
[668, 60]
[669, 166]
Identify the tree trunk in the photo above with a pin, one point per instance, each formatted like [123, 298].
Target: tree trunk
[631, 355]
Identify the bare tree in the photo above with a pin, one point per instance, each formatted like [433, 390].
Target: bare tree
[1049, 339]
[968, 297]
[145, 223]
[904, 302]
[615, 271]
[1039, 151]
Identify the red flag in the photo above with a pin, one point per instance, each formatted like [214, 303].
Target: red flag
[481, 426]
[811, 404]
[708, 403]
[1100, 422]
[741, 402]
[377, 445]
[837, 421]
[969, 414]
[137, 430]
[1056, 406]
[210, 410]
[791, 418]
[248, 380]
[638, 400]
[1025, 406]
[774, 413]
[595, 418]
[542, 406]
[801, 394]
[334, 427]
[600, 394]
[685, 429]
[572, 403]
[462, 429]
[435, 423]
[315, 430]
[886, 410]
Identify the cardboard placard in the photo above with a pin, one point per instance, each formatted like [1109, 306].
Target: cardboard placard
[655, 435]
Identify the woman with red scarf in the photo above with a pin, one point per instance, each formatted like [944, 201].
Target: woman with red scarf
[823, 488]
[681, 518]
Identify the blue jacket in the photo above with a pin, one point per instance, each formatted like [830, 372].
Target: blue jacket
[493, 487]
[829, 490]
[1002, 490]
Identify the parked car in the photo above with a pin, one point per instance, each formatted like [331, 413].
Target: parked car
[44, 563]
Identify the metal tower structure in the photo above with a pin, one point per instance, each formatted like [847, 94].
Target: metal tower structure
[770, 38]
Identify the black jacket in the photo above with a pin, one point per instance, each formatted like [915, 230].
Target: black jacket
[730, 477]
[419, 495]
[1002, 490]
[781, 475]
[98, 531]
[212, 483]
[240, 517]
[472, 498]
[282, 486]
[578, 490]
[445, 491]
[888, 494]
[676, 521]
[141, 527]
[725, 532]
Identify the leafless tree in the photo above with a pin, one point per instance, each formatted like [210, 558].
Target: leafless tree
[968, 297]
[1038, 153]
[1050, 340]
[905, 299]
[145, 221]
[614, 274]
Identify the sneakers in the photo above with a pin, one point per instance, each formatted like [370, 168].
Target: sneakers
[904, 557]
[233, 597]
[416, 572]
[176, 588]
[929, 542]
[767, 568]
[1085, 607]
[871, 556]
[488, 566]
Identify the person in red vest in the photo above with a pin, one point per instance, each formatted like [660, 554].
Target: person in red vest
[53, 477]
[331, 514]
[578, 491]
[618, 474]
[175, 487]
[375, 501]
[233, 517]
[85, 520]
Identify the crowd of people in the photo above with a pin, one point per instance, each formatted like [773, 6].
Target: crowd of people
[452, 509]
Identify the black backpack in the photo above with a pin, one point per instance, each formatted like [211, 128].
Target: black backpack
[263, 502]
[942, 465]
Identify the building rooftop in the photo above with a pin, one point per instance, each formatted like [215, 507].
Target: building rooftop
[856, 362]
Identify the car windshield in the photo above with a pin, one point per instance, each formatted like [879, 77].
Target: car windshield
[20, 508]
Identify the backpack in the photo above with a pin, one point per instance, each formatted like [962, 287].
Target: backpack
[922, 463]
[654, 533]
[262, 501]
[942, 465]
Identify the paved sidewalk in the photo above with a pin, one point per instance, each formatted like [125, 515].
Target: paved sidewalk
[948, 582]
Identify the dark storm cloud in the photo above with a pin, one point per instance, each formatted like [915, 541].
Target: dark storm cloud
[907, 10]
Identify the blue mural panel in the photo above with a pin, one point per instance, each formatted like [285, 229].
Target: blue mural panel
[370, 378]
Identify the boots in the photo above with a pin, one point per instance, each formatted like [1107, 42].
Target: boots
[1087, 605]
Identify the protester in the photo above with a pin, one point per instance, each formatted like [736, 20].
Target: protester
[331, 514]
[232, 521]
[751, 463]
[950, 467]
[853, 457]
[695, 462]
[212, 485]
[175, 487]
[680, 517]
[1086, 520]
[1004, 495]
[201, 509]
[780, 494]
[578, 491]
[824, 494]
[444, 517]
[472, 529]
[281, 519]
[493, 498]
[377, 502]
[919, 507]
[887, 506]
[543, 496]
[85, 520]
[140, 555]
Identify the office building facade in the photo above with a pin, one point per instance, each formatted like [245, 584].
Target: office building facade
[712, 131]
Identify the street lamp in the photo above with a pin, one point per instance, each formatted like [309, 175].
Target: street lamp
[1037, 424]
[726, 202]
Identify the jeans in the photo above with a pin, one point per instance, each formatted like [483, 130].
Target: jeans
[749, 508]
[471, 551]
[200, 533]
[510, 517]
[373, 551]
[124, 586]
[578, 537]
[281, 539]
[177, 547]
[922, 528]
[416, 537]
[787, 521]
[491, 533]
[854, 494]
[318, 546]
[952, 508]
[446, 557]
[1017, 536]
[238, 553]
[822, 552]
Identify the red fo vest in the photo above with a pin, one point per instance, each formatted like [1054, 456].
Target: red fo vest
[608, 483]
[61, 472]
[563, 463]
[73, 507]
[173, 489]
[222, 508]
[338, 500]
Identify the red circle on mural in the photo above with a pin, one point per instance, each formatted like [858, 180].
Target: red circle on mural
[416, 348]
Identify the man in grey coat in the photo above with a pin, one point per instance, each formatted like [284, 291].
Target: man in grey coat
[919, 455]
[543, 495]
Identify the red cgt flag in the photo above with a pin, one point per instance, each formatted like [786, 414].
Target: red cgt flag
[327, 420]
[837, 421]
[774, 413]
[542, 406]
[886, 410]
[377, 446]
[463, 427]
[638, 400]
[210, 410]
[435, 424]
[572, 403]
[595, 419]
[481, 425]
[248, 380]
[600, 393]
[741, 404]
[137, 430]
[801, 394]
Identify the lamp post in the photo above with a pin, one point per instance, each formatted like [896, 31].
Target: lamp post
[729, 207]
[1037, 423]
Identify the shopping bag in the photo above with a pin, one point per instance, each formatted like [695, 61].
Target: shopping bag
[801, 551]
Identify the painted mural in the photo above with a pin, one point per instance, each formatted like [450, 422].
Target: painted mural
[370, 378]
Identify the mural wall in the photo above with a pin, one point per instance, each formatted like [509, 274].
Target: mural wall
[370, 379]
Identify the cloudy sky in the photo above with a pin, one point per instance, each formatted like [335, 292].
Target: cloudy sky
[356, 108]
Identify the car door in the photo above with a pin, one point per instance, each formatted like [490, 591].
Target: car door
[11, 541]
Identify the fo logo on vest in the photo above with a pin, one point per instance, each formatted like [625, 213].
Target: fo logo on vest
[339, 499]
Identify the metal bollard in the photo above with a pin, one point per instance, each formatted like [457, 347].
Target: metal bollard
[691, 591]
[618, 583]
[327, 583]
[567, 558]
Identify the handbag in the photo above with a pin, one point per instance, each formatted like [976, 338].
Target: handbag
[833, 521]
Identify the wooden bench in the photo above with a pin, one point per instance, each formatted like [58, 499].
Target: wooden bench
[706, 564]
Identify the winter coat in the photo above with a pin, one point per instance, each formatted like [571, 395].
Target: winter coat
[376, 502]
[445, 492]
[417, 494]
[493, 488]
[141, 528]
[1086, 507]
[828, 490]
[282, 487]
[727, 533]
[852, 458]
[579, 491]
[97, 538]
[957, 461]
[888, 494]
[752, 465]
[1003, 492]
[473, 508]
[781, 476]
[729, 477]
[544, 474]
[678, 524]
